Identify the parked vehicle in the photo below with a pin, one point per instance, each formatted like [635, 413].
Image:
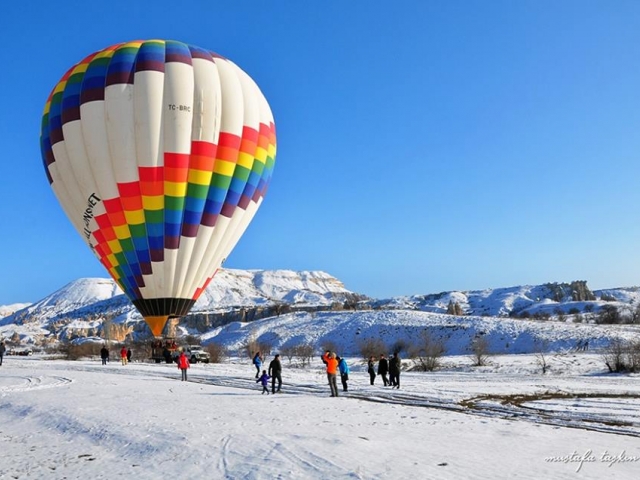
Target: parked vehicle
[195, 354]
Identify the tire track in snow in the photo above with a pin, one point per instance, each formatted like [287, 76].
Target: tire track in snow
[19, 383]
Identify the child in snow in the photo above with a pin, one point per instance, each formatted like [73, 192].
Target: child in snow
[264, 380]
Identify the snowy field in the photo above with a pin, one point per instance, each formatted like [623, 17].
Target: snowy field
[71, 420]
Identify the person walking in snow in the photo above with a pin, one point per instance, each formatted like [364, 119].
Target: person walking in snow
[2, 350]
[123, 355]
[128, 355]
[264, 380]
[344, 372]
[329, 358]
[183, 365]
[371, 369]
[394, 370]
[104, 354]
[383, 369]
[275, 372]
[257, 362]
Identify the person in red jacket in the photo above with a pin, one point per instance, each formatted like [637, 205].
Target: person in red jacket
[183, 364]
[123, 355]
[329, 358]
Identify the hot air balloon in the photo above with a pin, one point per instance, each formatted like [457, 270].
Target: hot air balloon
[160, 153]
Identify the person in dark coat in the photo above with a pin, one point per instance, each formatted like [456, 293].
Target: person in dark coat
[275, 372]
[104, 354]
[383, 369]
[371, 369]
[264, 380]
[394, 370]
[128, 355]
[3, 349]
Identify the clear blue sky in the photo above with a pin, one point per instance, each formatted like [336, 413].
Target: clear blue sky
[423, 146]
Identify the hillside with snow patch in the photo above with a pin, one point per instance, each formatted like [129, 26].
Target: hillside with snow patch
[223, 312]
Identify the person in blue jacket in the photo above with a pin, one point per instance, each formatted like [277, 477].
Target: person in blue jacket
[257, 361]
[264, 380]
[344, 372]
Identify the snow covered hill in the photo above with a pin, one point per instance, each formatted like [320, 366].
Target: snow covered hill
[349, 331]
[247, 304]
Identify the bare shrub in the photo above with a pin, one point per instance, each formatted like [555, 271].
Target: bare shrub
[542, 348]
[288, 351]
[217, 352]
[428, 352]
[480, 351]
[620, 356]
[305, 353]
[633, 356]
[252, 346]
[73, 351]
[400, 345]
[613, 356]
[609, 314]
[329, 345]
[371, 347]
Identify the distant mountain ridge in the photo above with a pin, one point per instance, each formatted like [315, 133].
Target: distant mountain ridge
[246, 295]
[93, 297]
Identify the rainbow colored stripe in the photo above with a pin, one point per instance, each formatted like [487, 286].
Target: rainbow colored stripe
[152, 209]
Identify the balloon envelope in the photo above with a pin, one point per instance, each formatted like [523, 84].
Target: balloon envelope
[160, 154]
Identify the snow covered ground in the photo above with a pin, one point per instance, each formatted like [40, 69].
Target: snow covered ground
[61, 419]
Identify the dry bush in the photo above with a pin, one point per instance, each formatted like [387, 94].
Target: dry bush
[252, 346]
[217, 352]
[620, 356]
[371, 347]
[288, 351]
[305, 353]
[329, 345]
[400, 345]
[613, 356]
[542, 348]
[633, 356]
[74, 351]
[480, 351]
[428, 352]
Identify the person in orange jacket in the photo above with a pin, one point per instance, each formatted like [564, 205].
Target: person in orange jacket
[123, 355]
[329, 358]
[183, 364]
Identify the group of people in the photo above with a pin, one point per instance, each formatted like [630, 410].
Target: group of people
[125, 355]
[334, 365]
[391, 367]
[274, 373]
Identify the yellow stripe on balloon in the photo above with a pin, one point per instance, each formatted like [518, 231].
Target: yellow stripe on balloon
[113, 261]
[153, 203]
[261, 155]
[121, 231]
[199, 177]
[115, 247]
[175, 189]
[135, 217]
[224, 168]
[245, 160]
